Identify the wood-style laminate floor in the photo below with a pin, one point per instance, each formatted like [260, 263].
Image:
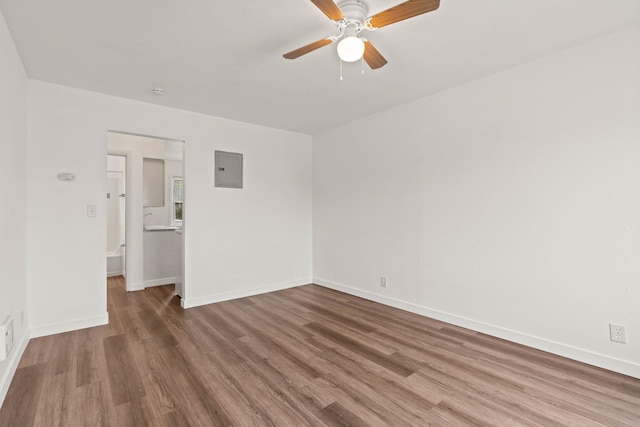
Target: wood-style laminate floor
[303, 356]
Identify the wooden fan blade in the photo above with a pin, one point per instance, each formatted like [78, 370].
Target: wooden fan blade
[372, 57]
[308, 48]
[329, 8]
[403, 11]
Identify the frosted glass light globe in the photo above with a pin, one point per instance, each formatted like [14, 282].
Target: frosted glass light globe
[350, 49]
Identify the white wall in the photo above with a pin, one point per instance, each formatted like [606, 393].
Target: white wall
[510, 205]
[13, 193]
[237, 242]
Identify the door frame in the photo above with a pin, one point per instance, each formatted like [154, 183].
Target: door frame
[128, 254]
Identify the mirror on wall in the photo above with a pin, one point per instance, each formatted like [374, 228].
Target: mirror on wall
[152, 182]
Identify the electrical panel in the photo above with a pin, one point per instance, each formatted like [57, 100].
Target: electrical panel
[228, 169]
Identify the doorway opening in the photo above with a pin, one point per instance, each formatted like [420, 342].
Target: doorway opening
[153, 212]
[116, 215]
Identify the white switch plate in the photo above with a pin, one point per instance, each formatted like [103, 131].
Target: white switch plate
[92, 211]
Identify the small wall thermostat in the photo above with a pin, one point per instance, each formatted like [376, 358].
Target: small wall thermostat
[66, 176]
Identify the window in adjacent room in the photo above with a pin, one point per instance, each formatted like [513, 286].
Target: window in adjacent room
[177, 191]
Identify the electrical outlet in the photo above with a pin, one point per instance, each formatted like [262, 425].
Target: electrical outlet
[9, 341]
[617, 333]
[6, 337]
[383, 282]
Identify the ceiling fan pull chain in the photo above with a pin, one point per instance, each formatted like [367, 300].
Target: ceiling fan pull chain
[362, 64]
[341, 70]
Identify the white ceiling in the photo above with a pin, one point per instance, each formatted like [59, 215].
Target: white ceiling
[224, 58]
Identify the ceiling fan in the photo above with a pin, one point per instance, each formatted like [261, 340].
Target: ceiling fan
[350, 16]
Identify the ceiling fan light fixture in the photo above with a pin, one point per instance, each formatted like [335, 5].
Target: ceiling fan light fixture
[350, 49]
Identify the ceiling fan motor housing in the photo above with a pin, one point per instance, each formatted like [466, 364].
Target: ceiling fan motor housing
[355, 14]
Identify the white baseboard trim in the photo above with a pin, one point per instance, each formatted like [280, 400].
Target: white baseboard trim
[159, 282]
[73, 325]
[12, 366]
[114, 273]
[132, 287]
[211, 299]
[592, 358]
